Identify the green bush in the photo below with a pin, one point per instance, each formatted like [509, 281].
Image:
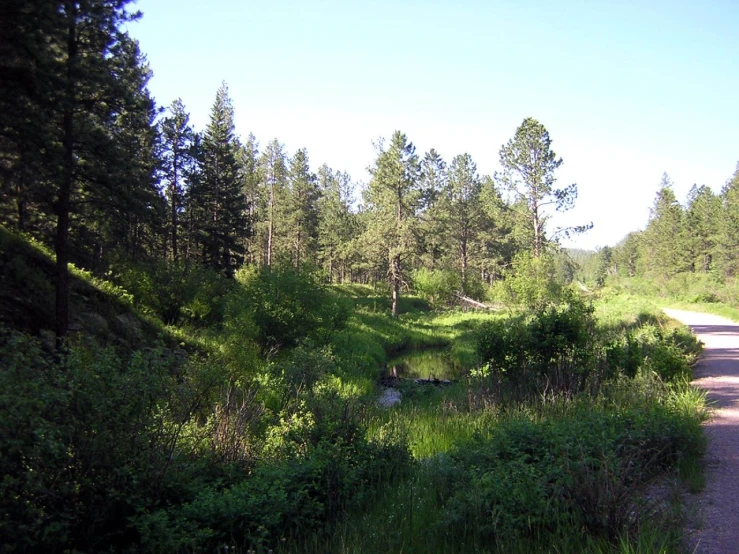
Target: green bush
[439, 287]
[551, 347]
[534, 479]
[82, 443]
[178, 293]
[532, 282]
[286, 307]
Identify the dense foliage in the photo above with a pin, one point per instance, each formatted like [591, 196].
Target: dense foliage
[193, 329]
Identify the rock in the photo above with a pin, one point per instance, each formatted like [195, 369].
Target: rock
[130, 327]
[389, 397]
[48, 338]
[94, 323]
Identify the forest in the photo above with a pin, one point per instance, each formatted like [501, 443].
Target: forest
[209, 345]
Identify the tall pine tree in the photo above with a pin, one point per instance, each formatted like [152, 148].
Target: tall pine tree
[177, 163]
[393, 199]
[217, 194]
[664, 237]
[301, 209]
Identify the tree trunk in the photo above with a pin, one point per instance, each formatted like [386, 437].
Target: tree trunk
[175, 201]
[63, 201]
[269, 224]
[395, 277]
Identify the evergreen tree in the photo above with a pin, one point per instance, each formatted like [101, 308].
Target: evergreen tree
[217, 194]
[463, 206]
[432, 231]
[528, 170]
[30, 33]
[301, 209]
[665, 234]
[177, 163]
[336, 225]
[628, 255]
[130, 210]
[728, 241]
[498, 241]
[393, 199]
[69, 63]
[274, 175]
[252, 178]
[605, 265]
[702, 219]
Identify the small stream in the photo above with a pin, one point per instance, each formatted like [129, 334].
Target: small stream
[431, 366]
[424, 364]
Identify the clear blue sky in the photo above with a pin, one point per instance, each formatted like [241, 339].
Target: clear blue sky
[627, 89]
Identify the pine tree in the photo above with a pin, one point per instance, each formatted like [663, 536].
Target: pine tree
[628, 255]
[83, 59]
[528, 169]
[728, 233]
[30, 33]
[177, 163]
[393, 199]
[217, 194]
[252, 178]
[432, 230]
[463, 206]
[702, 222]
[301, 209]
[498, 241]
[336, 225]
[274, 174]
[665, 234]
[130, 202]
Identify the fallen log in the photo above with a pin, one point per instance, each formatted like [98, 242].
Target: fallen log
[474, 303]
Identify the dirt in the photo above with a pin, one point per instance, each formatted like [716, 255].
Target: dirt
[714, 528]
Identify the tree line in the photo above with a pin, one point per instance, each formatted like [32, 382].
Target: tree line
[699, 237]
[91, 166]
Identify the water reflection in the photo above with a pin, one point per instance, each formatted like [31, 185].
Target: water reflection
[424, 364]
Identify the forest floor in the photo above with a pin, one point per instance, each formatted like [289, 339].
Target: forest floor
[716, 521]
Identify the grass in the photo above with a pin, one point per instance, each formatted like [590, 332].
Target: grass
[441, 423]
[372, 336]
[441, 506]
[716, 308]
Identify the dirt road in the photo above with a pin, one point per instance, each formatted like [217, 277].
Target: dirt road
[718, 371]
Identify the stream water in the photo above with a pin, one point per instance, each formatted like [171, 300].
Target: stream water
[424, 364]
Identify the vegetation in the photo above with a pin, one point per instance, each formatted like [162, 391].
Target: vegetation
[194, 332]
[256, 426]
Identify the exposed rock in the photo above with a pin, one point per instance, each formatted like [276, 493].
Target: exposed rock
[130, 327]
[94, 323]
[389, 397]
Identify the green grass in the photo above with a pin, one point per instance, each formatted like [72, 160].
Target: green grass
[716, 308]
[372, 336]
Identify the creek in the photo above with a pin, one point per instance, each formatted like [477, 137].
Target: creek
[424, 364]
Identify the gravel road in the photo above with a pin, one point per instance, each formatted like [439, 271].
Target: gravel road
[717, 520]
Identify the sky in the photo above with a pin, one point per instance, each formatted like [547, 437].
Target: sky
[627, 89]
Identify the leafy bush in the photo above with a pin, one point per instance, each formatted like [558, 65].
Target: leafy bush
[288, 496]
[82, 443]
[178, 293]
[552, 347]
[532, 282]
[533, 479]
[438, 286]
[287, 306]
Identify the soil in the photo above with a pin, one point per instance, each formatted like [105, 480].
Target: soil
[714, 528]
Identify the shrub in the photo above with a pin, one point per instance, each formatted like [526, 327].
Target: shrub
[287, 306]
[438, 286]
[178, 293]
[552, 347]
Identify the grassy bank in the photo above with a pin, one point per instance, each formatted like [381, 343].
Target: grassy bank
[245, 416]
